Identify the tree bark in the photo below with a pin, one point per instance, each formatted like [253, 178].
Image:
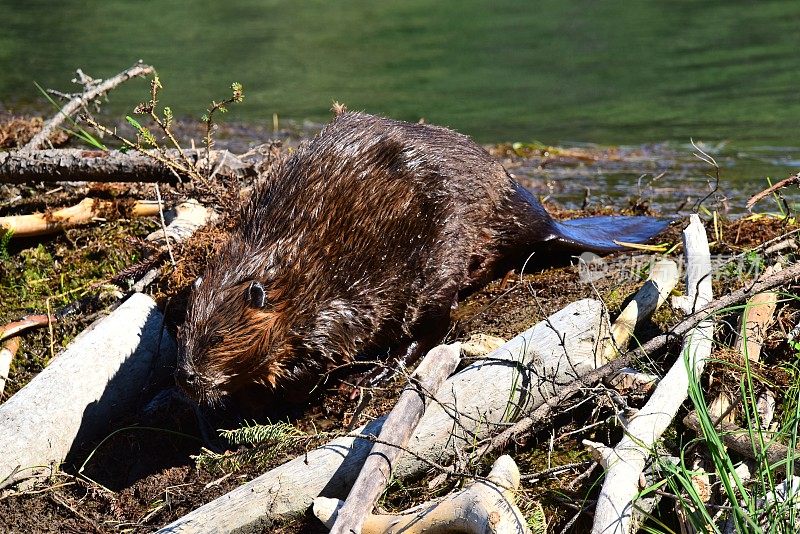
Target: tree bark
[73, 164]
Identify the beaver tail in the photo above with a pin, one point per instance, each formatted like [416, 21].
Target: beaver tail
[531, 228]
[603, 234]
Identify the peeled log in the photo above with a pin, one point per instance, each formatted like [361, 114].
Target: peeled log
[490, 392]
[437, 365]
[83, 212]
[662, 280]
[616, 504]
[97, 379]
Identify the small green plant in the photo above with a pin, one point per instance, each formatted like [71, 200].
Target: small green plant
[537, 521]
[759, 503]
[261, 444]
[78, 131]
[5, 239]
[221, 107]
[148, 144]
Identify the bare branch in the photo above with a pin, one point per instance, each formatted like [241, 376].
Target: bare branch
[98, 90]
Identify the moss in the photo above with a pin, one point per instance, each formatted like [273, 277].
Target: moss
[37, 277]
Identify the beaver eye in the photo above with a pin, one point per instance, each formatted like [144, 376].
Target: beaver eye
[256, 296]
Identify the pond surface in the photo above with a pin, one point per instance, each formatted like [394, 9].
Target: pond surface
[723, 72]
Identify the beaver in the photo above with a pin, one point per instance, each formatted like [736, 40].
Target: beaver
[360, 243]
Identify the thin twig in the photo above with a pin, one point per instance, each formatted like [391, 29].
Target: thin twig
[164, 225]
[795, 178]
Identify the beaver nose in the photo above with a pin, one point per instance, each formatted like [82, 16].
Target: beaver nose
[186, 377]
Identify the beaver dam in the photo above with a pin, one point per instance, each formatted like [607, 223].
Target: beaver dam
[654, 388]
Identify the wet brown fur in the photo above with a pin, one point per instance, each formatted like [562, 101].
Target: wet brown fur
[363, 241]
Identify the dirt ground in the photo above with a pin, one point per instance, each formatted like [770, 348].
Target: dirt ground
[144, 473]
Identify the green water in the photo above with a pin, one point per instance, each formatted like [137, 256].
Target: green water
[555, 71]
[723, 72]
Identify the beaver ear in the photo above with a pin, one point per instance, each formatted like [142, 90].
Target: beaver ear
[256, 296]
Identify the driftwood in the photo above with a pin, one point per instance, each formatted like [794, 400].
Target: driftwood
[92, 92]
[468, 407]
[541, 413]
[756, 319]
[182, 222]
[484, 507]
[97, 379]
[8, 350]
[753, 323]
[395, 433]
[56, 165]
[625, 463]
[479, 345]
[84, 212]
[660, 283]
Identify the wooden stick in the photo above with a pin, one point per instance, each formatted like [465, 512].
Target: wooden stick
[484, 507]
[82, 213]
[184, 221]
[57, 165]
[771, 189]
[625, 463]
[89, 94]
[438, 364]
[754, 321]
[8, 350]
[660, 283]
[29, 321]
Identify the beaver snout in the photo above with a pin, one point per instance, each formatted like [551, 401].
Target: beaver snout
[187, 379]
[189, 382]
[194, 385]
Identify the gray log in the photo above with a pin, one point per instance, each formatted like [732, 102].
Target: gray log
[97, 379]
[437, 365]
[491, 391]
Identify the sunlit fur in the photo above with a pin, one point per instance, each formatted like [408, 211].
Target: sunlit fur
[363, 240]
